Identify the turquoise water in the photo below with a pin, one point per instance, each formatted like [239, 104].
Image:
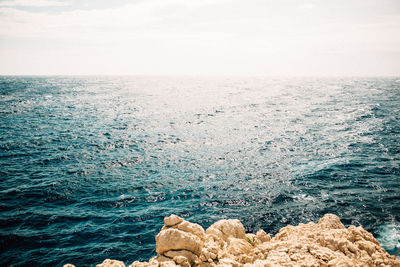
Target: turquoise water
[89, 166]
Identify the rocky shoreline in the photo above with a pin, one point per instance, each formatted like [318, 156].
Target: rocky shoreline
[225, 243]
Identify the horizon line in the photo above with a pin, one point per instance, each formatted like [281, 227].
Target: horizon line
[212, 75]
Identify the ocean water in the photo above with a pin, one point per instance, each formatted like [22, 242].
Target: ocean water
[89, 166]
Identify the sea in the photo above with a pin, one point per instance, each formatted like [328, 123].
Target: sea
[90, 165]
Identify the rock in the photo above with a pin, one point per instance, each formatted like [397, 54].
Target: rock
[172, 220]
[168, 264]
[227, 228]
[111, 263]
[326, 243]
[139, 264]
[210, 250]
[238, 246]
[192, 228]
[182, 261]
[173, 239]
[161, 258]
[262, 236]
[176, 222]
[368, 246]
[152, 263]
[228, 263]
[180, 238]
[331, 221]
[192, 258]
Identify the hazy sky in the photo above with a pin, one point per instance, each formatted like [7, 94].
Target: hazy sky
[200, 37]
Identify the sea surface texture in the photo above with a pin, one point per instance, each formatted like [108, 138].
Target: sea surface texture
[89, 166]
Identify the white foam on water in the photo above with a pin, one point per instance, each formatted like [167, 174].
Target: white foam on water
[389, 238]
[304, 198]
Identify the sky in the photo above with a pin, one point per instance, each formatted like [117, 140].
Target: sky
[200, 37]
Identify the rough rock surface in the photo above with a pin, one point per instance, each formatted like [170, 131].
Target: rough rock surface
[111, 263]
[225, 243]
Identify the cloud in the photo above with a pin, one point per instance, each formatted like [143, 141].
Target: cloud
[32, 3]
[151, 17]
[308, 6]
[210, 36]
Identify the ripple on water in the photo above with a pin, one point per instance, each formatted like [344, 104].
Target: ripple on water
[389, 237]
[91, 165]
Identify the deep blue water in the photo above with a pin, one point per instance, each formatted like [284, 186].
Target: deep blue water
[89, 166]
